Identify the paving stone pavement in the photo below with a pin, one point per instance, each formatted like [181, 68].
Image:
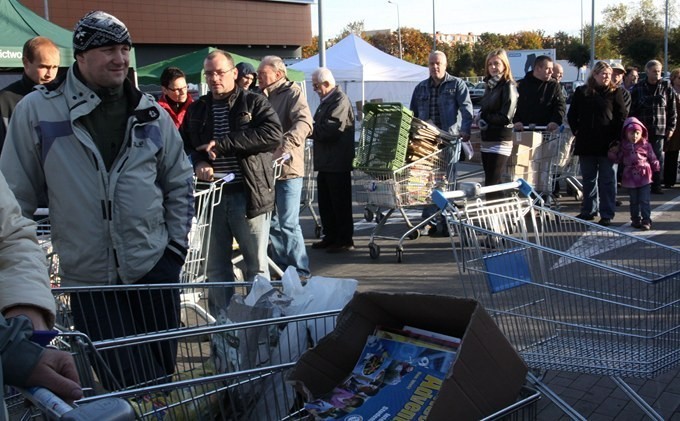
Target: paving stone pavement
[428, 266]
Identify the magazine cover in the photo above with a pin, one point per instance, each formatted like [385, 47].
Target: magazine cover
[391, 380]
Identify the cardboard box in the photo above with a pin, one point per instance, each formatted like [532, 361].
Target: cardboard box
[487, 375]
[529, 139]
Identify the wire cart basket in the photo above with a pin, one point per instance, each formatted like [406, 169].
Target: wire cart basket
[544, 158]
[398, 173]
[309, 187]
[570, 295]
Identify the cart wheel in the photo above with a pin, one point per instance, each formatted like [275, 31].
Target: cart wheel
[414, 235]
[317, 231]
[379, 217]
[400, 254]
[368, 214]
[374, 250]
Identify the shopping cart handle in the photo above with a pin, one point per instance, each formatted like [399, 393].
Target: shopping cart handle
[107, 409]
[472, 189]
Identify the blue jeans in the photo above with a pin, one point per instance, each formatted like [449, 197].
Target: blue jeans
[288, 244]
[229, 222]
[639, 203]
[599, 186]
[657, 145]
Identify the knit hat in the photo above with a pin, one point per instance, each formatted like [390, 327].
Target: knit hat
[245, 69]
[99, 29]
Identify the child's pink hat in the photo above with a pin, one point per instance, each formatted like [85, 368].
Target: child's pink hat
[634, 126]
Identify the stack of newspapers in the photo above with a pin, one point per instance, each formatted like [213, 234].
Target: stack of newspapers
[398, 376]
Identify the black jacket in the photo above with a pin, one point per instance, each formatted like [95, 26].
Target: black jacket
[9, 97]
[540, 102]
[596, 120]
[497, 110]
[334, 134]
[255, 132]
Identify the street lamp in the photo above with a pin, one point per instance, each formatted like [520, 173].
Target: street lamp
[434, 33]
[398, 26]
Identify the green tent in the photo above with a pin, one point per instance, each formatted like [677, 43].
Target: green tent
[192, 65]
[19, 24]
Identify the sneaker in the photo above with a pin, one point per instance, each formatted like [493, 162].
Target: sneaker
[605, 222]
[636, 223]
[646, 225]
[323, 244]
[585, 216]
[657, 190]
[619, 203]
[340, 248]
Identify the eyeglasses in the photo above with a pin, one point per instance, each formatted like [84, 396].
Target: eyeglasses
[178, 90]
[219, 73]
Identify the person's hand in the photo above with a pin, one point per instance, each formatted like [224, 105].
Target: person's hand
[210, 148]
[57, 371]
[204, 171]
[465, 136]
[552, 126]
[518, 127]
[669, 134]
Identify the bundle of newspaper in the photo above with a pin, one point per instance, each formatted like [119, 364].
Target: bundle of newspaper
[426, 138]
[398, 376]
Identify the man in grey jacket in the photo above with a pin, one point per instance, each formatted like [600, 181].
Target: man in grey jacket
[120, 191]
[290, 104]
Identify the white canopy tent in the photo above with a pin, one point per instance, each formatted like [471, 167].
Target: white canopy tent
[365, 73]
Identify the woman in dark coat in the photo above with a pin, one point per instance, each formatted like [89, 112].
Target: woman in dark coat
[498, 107]
[596, 117]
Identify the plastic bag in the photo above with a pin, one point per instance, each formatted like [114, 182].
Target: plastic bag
[468, 150]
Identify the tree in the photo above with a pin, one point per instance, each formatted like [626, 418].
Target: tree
[356, 28]
[463, 64]
[311, 49]
[561, 42]
[527, 40]
[578, 54]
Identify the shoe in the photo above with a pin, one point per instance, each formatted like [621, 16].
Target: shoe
[619, 203]
[585, 216]
[657, 190]
[605, 222]
[668, 186]
[340, 248]
[636, 224]
[323, 244]
[646, 225]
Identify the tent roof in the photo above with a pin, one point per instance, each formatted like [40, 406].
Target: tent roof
[19, 24]
[192, 65]
[354, 59]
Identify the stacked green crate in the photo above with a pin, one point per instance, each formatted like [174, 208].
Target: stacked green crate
[384, 137]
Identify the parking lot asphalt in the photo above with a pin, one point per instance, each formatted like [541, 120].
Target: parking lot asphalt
[428, 266]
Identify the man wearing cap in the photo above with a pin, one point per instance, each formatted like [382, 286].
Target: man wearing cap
[618, 72]
[112, 166]
[41, 61]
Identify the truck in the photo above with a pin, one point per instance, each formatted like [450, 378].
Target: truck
[522, 61]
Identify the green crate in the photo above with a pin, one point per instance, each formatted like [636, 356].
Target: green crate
[384, 137]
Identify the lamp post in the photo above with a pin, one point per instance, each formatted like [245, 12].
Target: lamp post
[322, 44]
[665, 43]
[592, 37]
[398, 27]
[434, 33]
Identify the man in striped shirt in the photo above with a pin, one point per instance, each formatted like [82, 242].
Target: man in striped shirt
[232, 131]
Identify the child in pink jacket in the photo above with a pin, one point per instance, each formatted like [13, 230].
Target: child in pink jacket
[636, 156]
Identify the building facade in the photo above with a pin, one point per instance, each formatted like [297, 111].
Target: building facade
[162, 29]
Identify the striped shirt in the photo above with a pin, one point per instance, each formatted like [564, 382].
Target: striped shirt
[224, 165]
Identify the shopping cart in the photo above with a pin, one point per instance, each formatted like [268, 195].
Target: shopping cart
[246, 381]
[309, 187]
[569, 294]
[544, 158]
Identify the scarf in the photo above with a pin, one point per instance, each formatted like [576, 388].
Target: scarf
[493, 81]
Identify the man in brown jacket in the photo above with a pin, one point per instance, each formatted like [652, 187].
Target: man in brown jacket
[290, 103]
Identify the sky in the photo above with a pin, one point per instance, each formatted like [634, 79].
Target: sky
[454, 16]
